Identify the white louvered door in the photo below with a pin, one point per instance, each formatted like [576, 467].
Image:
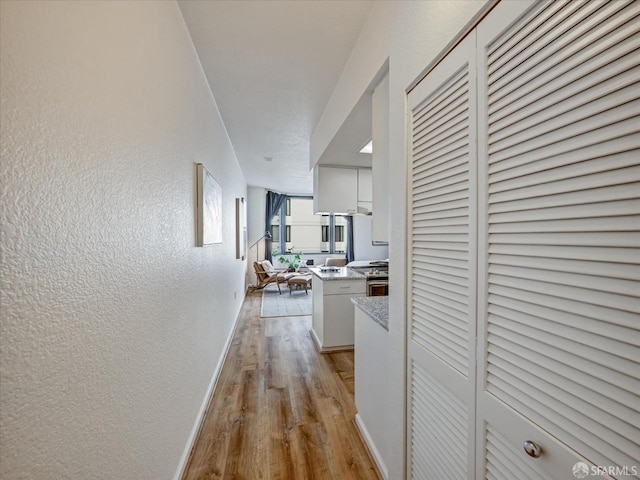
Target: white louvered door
[559, 238]
[442, 290]
[524, 249]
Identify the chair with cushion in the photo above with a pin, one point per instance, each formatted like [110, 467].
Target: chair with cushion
[266, 277]
[335, 262]
[270, 269]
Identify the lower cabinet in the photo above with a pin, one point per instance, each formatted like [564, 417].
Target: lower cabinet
[332, 325]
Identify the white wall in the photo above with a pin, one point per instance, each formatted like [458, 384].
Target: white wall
[409, 34]
[113, 322]
[256, 209]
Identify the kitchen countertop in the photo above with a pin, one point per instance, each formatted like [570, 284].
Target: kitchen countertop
[376, 307]
[344, 273]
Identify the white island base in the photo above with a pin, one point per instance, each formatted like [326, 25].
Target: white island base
[333, 315]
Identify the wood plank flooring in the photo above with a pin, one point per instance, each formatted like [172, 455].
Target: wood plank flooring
[280, 410]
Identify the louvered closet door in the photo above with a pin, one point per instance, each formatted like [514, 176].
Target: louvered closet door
[559, 288]
[441, 246]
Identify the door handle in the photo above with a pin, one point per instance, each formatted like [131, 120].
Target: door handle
[532, 449]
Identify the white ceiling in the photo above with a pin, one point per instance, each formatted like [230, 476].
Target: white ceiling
[272, 66]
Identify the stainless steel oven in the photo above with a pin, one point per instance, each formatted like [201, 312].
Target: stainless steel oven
[377, 275]
[377, 283]
[377, 288]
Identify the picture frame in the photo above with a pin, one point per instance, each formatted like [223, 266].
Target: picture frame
[208, 208]
[241, 229]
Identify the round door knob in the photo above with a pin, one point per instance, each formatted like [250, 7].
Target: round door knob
[532, 449]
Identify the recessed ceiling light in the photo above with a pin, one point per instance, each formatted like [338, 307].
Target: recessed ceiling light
[368, 148]
[268, 159]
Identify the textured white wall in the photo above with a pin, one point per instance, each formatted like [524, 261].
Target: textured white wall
[112, 321]
[410, 34]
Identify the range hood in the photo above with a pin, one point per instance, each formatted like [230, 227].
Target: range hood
[364, 210]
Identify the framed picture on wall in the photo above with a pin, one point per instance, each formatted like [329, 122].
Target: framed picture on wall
[208, 208]
[241, 229]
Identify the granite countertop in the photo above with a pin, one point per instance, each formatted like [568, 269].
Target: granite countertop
[376, 307]
[344, 273]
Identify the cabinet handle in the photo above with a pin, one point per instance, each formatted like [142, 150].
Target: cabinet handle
[345, 288]
[532, 449]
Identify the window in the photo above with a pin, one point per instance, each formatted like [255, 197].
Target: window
[296, 229]
[339, 237]
[325, 233]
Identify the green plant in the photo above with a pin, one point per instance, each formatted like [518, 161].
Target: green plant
[292, 261]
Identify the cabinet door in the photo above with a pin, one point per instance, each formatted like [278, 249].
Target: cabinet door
[442, 281]
[335, 190]
[339, 320]
[559, 270]
[380, 163]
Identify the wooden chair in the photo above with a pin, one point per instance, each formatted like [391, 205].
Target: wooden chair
[265, 278]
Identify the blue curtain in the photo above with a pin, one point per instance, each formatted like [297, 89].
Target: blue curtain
[350, 252]
[274, 202]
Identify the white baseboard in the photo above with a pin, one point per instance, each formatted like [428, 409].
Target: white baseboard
[193, 437]
[321, 349]
[316, 340]
[375, 454]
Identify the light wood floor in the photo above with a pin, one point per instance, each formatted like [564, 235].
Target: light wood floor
[280, 410]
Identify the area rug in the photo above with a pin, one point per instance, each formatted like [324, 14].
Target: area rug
[285, 305]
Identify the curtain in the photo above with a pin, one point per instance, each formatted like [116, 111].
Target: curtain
[350, 252]
[274, 202]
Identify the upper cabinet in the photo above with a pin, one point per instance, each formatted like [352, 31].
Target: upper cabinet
[380, 163]
[365, 190]
[342, 190]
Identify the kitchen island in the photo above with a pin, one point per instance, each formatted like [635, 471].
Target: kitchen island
[333, 313]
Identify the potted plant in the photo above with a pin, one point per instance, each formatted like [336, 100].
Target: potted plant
[291, 260]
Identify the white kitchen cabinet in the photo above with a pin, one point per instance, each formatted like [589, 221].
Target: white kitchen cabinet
[365, 193]
[524, 300]
[333, 315]
[335, 190]
[380, 163]
[343, 190]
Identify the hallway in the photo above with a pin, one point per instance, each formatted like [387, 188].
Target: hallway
[280, 409]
